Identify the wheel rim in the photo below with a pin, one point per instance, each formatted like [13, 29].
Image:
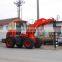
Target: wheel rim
[9, 43]
[27, 44]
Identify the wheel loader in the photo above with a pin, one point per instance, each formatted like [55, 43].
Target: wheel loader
[23, 35]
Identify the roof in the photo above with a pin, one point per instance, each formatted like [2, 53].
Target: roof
[58, 21]
[7, 21]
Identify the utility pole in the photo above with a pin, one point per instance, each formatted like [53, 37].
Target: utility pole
[37, 9]
[54, 38]
[18, 4]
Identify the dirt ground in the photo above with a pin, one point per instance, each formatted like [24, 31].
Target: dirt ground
[43, 54]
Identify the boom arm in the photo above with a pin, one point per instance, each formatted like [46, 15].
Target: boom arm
[40, 22]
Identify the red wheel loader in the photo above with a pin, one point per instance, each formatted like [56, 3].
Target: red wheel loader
[23, 36]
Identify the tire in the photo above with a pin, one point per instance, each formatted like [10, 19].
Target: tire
[38, 43]
[9, 42]
[19, 42]
[28, 43]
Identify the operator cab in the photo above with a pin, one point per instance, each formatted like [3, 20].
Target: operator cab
[17, 27]
[21, 27]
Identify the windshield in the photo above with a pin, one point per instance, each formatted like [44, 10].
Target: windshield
[21, 27]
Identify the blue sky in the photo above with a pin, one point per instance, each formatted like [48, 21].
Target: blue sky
[48, 8]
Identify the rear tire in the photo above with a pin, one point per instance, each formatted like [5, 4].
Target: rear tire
[9, 42]
[28, 43]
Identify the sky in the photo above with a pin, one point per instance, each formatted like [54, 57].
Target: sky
[47, 9]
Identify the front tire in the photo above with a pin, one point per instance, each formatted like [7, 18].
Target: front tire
[28, 43]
